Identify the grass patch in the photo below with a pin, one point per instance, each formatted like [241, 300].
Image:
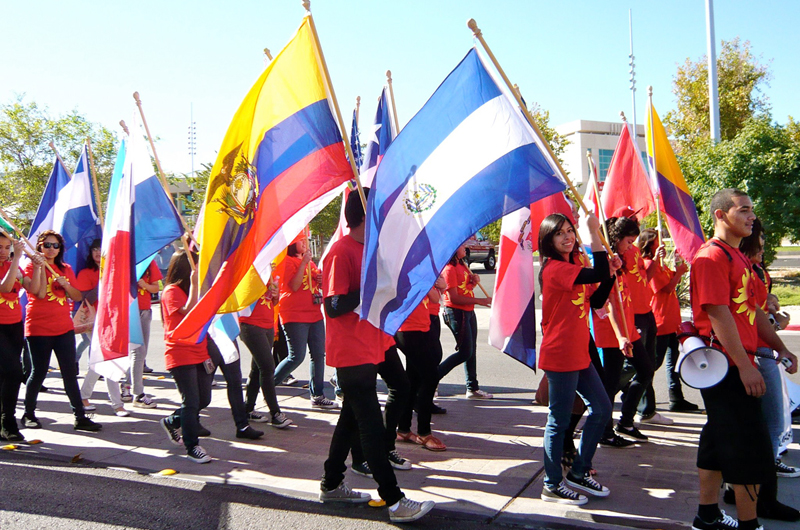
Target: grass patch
[787, 294]
[788, 249]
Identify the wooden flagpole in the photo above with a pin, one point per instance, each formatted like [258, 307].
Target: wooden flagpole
[358, 107]
[329, 86]
[188, 250]
[53, 147]
[471, 24]
[161, 173]
[10, 223]
[267, 54]
[391, 96]
[124, 127]
[94, 183]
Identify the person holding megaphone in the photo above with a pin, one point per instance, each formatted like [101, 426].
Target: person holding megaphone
[734, 443]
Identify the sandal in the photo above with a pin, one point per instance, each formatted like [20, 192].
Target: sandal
[408, 437]
[431, 443]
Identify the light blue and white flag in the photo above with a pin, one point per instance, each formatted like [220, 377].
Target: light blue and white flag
[468, 157]
[223, 331]
[75, 215]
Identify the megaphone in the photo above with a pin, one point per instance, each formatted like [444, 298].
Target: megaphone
[699, 365]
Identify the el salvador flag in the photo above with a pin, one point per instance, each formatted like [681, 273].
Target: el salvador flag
[468, 157]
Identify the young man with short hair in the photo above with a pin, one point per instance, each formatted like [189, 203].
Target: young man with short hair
[734, 444]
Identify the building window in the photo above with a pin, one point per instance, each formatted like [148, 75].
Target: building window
[644, 160]
[604, 157]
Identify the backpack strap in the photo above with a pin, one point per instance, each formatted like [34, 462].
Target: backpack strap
[725, 250]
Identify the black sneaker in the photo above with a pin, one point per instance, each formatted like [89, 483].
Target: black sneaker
[436, 409]
[723, 522]
[630, 432]
[249, 433]
[198, 455]
[12, 435]
[398, 462]
[616, 441]
[682, 406]
[202, 432]
[362, 469]
[173, 434]
[29, 421]
[782, 470]
[85, 424]
[147, 369]
[563, 495]
[587, 484]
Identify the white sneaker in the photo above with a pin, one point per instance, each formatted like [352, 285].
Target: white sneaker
[656, 419]
[342, 493]
[121, 412]
[406, 510]
[143, 401]
[125, 392]
[478, 394]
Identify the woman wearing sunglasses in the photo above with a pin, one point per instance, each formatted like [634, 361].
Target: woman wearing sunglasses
[49, 328]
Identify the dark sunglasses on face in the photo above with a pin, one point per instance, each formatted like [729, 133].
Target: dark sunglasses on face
[51, 245]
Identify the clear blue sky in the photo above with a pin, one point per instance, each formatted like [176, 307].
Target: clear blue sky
[570, 56]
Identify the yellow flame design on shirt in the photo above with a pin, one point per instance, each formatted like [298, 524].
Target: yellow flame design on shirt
[580, 301]
[266, 300]
[463, 286]
[747, 304]
[11, 303]
[51, 296]
[635, 271]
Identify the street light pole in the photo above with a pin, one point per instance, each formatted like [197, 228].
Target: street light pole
[713, 89]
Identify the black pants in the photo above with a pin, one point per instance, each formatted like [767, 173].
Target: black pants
[423, 376]
[64, 348]
[394, 375]
[361, 412]
[194, 384]
[646, 324]
[232, 372]
[12, 337]
[280, 349]
[612, 367]
[262, 367]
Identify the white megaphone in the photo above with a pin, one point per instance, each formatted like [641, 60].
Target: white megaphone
[699, 365]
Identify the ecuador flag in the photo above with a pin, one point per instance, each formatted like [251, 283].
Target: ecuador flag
[282, 150]
[676, 200]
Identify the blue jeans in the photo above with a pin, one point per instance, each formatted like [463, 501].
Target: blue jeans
[298, 336]
[772, 401]
[563, 386]
[464, 326]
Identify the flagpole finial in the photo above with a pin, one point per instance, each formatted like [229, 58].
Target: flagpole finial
[266, 52]
[650, 90]
[52, 145]
[389, 76]
[124, 127]
[358, 101]
[471, 24]
[136, 98]
[622, 115]
[307, 5]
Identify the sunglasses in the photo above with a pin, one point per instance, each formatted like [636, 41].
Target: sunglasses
[51, 245]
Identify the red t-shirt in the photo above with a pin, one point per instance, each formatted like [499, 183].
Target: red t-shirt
[717, 280]
[151, 275]
[88, 279]
[604, 336]
[762, 290]
[565, 319]
[299, 306]
[419, 319]
[50, 316]
[10, 309]
[665, 305]
[460, 277]
[178, 353]
[263, 314]
[349, 341]
[433, 308]
[635, 274]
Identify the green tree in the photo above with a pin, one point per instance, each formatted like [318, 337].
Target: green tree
[741, 79]
[26, 160]
[763, 160]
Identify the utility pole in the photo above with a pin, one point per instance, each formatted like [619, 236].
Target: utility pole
[713, 88]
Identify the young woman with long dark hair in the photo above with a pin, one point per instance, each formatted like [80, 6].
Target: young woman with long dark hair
[49, 329]
[567, 300]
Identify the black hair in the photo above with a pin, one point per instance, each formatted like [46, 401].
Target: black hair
[90, 263]
[59, 259]
[354, 210]
[291, 250]
[547, 230]
[647, 241]
[180, 271]
[751, 245]
[723, 199]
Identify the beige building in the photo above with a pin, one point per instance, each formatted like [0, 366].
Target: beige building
[601, 138]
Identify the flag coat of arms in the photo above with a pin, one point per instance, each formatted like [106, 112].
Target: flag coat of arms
[468, 157]
[676, 199]
[282, 150]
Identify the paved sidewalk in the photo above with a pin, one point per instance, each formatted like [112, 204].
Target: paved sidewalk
[492, 469]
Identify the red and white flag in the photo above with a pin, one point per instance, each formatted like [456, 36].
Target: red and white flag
[512, 323]
[555, 203]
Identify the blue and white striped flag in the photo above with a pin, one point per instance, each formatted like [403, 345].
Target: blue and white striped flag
[467, 158]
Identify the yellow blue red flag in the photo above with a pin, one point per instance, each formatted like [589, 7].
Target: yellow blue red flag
[282, 150]
[676, 200]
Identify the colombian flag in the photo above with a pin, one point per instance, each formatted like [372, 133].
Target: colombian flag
[282, 150]
[676, 201]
